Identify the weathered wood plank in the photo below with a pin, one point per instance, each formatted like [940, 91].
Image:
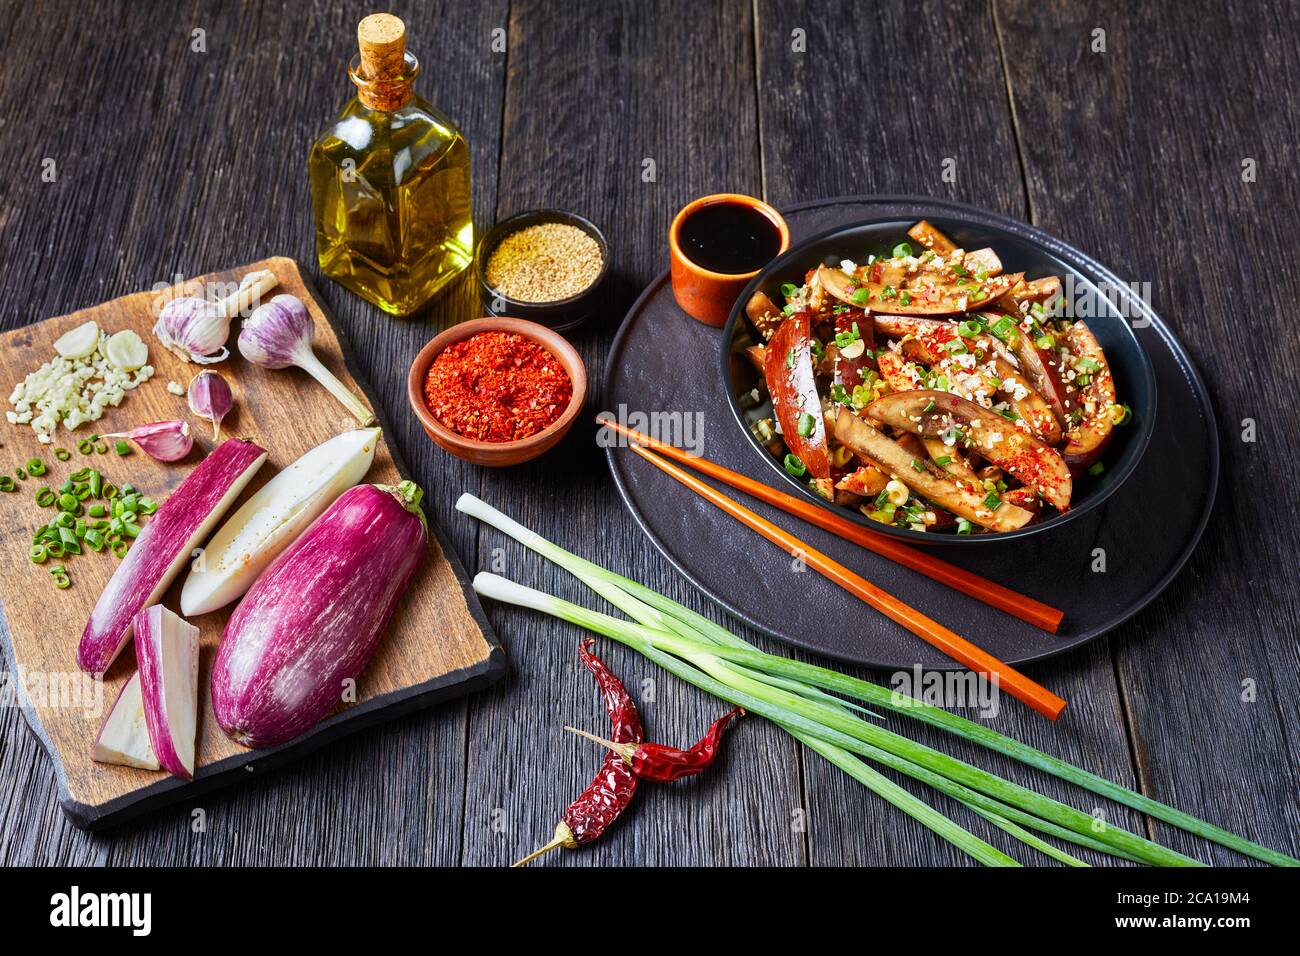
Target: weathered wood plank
[938, 126]
[173, 160]
[1142, 155]
[595, 90]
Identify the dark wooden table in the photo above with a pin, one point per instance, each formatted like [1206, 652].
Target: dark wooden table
[1171, 156]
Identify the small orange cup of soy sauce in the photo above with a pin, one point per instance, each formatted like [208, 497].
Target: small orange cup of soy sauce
[716, 245]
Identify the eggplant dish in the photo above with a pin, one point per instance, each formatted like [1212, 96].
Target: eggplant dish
[932, 390]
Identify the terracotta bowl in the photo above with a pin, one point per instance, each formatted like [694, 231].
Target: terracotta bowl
[498, 454]
[704, 295]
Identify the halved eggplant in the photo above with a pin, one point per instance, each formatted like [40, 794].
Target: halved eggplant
[953, 418]
[932, 287]
[961, 498]
[1085, 442]
[788, 367]
[1037, 290]
[763, 314]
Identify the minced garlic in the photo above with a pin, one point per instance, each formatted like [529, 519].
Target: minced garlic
[73, 391]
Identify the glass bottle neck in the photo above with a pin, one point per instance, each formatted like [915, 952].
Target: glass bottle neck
[386, 93]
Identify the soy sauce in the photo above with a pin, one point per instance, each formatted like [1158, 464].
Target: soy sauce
[729, 237]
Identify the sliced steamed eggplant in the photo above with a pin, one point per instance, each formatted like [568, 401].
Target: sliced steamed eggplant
[961, 498]
[1085, 442]
[788, 368]
[763, 314]
[992, 437]
[932, 239]
[858, 356]
[926, 289]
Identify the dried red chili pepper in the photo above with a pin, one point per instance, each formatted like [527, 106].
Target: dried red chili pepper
[611, 790]
[664, 764]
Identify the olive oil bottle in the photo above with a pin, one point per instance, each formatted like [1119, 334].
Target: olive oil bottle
[390, 182]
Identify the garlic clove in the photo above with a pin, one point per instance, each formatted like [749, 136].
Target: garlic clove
[166, 441]
[210, 397]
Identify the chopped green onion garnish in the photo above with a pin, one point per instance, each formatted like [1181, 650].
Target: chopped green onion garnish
[96, 484]
[7, 483]
[806, 424]
[45, 497]
[38, 553]
[788, 290]
[916, 465]
[970, 329]
[35, 467]
[794, 466]
[928, 406]
[120, 548]
[964, 526]
[1045, 342]
[1096, 469]
[902, 250]
[101, 448]
[943, 461]
[991, 501]
[85, 446]
[839, 394]
[121, 447]
[20, 474]
[62, 454]
[94, 540]
[68, 502]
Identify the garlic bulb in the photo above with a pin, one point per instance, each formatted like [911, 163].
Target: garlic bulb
[210, 397]
[279, 333]
[197, 330]
[166, 441]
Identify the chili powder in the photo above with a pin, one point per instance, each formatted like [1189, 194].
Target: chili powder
[496, 387]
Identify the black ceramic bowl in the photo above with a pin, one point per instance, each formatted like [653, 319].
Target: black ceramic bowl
[559, 315]
[1092, 288]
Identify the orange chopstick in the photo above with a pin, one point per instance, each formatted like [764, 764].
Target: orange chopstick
[932, 632]
[959, 579]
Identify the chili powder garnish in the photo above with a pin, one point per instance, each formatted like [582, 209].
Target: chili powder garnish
[496, 387]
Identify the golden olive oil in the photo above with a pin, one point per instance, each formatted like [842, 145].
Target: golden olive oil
[390, 182]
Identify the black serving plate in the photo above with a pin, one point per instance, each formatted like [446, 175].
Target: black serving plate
[663, 371]
[1097, 296]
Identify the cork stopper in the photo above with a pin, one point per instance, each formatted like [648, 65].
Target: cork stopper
[383, 82]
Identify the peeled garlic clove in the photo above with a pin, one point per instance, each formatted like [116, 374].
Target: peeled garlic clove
[78, 343]
[126, 350]
[166, 441]
[193, 329]
[210, 397]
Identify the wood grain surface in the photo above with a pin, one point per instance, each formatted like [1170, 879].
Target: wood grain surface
[435, 640]
[172, 160]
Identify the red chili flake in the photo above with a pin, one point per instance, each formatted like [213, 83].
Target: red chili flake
[496, 387]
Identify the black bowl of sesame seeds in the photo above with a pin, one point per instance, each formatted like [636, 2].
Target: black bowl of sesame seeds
[544, 265]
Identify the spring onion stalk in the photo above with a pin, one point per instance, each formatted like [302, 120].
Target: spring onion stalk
[501, 589]
[655, 610]
[823, 722]
[917, 809]
[1002, 823]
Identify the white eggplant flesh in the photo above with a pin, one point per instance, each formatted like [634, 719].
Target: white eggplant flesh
[167, 647]
[273, 518]
[124, 738]
[185, 519]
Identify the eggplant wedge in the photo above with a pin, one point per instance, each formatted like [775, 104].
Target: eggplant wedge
[857, 357]
[763, 315]
[867, 481]
[932, 238]
[961, 498]
[1085, 442]
[992, 437]
[899, 375]
[925, 289]
[788, 368]
[929, 339]
[1037, 290]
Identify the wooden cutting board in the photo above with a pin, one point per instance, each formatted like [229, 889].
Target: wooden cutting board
[438, 645]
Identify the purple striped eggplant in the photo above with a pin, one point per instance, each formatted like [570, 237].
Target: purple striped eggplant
[163, 547]
[310, 623]
[167, 647]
